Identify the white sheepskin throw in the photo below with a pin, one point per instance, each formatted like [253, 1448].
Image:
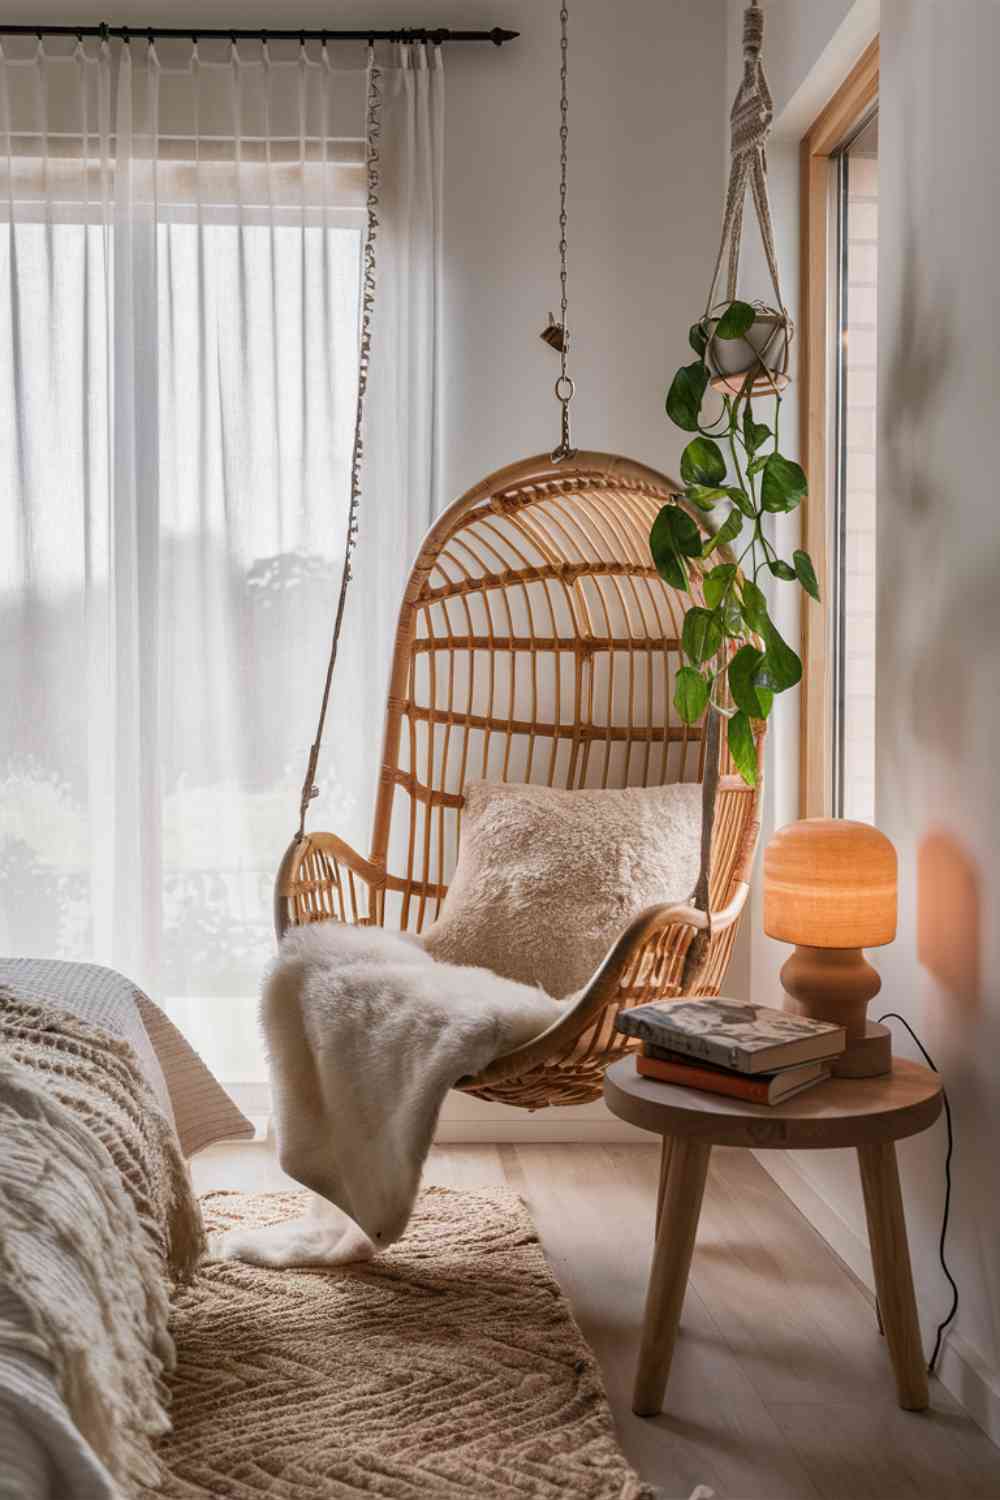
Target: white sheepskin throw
[536, 863]
[366, 1034]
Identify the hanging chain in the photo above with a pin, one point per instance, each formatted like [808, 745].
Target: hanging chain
[565, 388]
[373, 126]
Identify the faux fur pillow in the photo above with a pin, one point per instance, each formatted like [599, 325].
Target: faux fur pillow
[546, 879]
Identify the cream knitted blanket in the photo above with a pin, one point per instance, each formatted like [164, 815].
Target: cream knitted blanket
[96, 1211]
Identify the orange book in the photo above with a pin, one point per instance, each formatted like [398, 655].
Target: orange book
[762, 1089]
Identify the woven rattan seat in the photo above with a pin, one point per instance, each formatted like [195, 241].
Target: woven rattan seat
[536, 643]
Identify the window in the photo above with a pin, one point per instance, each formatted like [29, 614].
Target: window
[165, 662]
[837, 390]
[851, 588]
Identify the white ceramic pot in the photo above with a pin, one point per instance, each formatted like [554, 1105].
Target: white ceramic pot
[732, 360]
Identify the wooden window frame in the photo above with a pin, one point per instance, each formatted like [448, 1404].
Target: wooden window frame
[849, 104]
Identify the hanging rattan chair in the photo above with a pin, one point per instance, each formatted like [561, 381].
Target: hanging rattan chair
[536, 643]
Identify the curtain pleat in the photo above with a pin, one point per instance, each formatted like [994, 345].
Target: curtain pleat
[180, 250]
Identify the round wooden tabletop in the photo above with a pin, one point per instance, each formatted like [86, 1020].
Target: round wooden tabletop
[840, 1112]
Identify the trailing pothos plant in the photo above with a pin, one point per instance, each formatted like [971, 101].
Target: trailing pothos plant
[735, 658]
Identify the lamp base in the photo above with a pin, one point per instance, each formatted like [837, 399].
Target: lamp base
[869, 1056]
[836, 984]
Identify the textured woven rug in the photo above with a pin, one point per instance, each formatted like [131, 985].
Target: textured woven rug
[449, 1366]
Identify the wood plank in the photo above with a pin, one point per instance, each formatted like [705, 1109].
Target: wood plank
[877, 1452]
[465, 1166]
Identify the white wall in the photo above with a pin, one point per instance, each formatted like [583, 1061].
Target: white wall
[938, 605]
[938, 612]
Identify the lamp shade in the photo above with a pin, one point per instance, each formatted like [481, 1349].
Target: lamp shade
[830, 883]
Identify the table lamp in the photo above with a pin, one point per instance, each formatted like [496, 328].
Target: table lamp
[830, 888]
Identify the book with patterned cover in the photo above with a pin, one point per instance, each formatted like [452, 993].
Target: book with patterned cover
[733, 1034]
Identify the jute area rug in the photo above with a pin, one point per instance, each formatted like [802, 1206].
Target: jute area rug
[449, 1366]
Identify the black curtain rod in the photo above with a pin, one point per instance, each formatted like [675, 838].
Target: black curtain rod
[435, 34]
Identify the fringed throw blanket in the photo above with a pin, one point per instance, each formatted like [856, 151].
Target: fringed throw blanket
[95, 1212]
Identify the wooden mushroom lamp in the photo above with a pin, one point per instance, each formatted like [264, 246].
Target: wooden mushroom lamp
[830, 888]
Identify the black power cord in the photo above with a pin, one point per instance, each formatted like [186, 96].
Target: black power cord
[893, 1015]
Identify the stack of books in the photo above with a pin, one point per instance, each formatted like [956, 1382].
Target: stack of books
[732, 1047]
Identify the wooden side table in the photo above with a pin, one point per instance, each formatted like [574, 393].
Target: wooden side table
[870, 1114]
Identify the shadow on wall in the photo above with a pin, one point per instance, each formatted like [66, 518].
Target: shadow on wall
[938, 701]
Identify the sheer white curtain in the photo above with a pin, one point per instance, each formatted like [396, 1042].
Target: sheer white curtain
[402, 480]
[180, 247]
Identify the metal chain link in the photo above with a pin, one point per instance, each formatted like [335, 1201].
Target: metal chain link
[564, 388]
[373, 130]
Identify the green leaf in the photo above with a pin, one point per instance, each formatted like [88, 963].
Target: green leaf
[764, 697]
[698, 339]
[702, 462]
[685, 396]
[806, 573]
[702, 634]
[781, 668]
[742, 499]
[673, 570]
[781, 569]
[742, 747]
[705, 496]
[732, 619]
[754, 607]
[690, 694]
[674, 536]
[727, 532]
[717, 582]
[737, 318]
[784, 484]
[747, 695]
[754, 433]
[755, 465]
[680, 531]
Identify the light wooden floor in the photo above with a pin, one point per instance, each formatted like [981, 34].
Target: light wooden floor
[780, 1389]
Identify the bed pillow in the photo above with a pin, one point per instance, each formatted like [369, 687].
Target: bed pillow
[181, 1083]
[546, 879]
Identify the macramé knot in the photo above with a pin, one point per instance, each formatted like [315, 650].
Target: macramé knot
[753, 31]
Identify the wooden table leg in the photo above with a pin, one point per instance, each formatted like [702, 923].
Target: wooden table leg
[666, 1146]
[893, 1277]
[675, 1236]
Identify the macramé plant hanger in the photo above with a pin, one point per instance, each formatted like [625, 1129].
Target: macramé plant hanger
[757, 349]
[536, 642]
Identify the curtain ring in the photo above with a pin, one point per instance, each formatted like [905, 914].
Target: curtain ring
[150, 37]
[125, 36]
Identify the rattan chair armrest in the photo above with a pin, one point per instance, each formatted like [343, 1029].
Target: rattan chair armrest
[603, 988]
[342, 852]
[322, 877]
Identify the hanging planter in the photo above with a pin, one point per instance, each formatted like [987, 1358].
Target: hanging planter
[729, 402]
[747, 356]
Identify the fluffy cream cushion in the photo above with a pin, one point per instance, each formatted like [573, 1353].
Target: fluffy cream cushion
[546, 879]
